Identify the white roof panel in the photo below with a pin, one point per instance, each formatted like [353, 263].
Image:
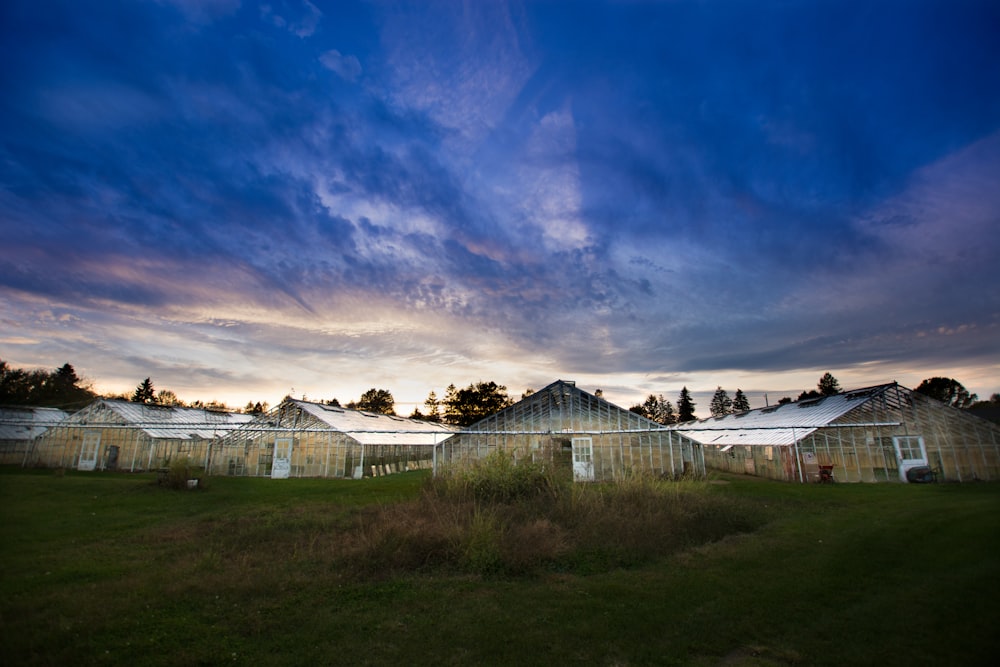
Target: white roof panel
[28, 422]
[369, 428]
[171, 422]
[778, 424]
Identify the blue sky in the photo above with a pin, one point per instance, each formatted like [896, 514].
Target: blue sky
[246, 199]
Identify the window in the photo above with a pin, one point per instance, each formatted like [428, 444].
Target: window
[910, 447]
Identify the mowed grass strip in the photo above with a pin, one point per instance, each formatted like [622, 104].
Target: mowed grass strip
[111, 569]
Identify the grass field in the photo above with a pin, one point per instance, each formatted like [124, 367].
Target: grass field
[112, 569]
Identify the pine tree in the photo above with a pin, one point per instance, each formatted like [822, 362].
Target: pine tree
[721, 403]
[828, 385]
[685, 407]
[144, 393]
[433, 406]
[740, 402]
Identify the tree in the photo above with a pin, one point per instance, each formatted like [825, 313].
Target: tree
[257, 408]
[379, 401]
[685, 407]
[657, 409]
[721, 404]
[740, 402]
[987, 409]
[217, 406]
[144, 393]
[433, 407]
[59, 388]
[947, 390]
[784, 400]
[667, 415]
[167, 397]
[828, 385]
[477, 401]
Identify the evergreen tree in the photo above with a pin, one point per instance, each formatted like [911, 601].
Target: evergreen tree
[144, 393]
[659, 410]
[828, 385]
[667, 414]
[740, 402]
[721, 404]
[450, 403]
[685, 407]
[433, 407]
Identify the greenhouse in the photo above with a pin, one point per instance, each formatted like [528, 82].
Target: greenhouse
[885, 433]
[122, 435]
[20, 425]
[304, 439]
[581, 433]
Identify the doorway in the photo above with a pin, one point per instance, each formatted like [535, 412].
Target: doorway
[910, 452]
[281, 465]
[88, 451]
[583, 460]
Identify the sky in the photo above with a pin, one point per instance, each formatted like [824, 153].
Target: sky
[243, 200]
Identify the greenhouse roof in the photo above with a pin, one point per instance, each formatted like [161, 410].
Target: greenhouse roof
[27, 422]
[370, 428]
[782, 424]
[166, 422]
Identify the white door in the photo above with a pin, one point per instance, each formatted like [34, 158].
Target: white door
[583, 460]
[88, 451]
[910, 452]
[281, 465]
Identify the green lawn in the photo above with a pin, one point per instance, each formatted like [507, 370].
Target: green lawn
[111, 569]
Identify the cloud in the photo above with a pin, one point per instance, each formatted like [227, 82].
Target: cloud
[300, 17]
[470, 68]
[346, 67]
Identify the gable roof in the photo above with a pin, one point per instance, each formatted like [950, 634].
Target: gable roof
[370, 428]
[27, 422]
[782, 424]
[169, 422]
[574, 408]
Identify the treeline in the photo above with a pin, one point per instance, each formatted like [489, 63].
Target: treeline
[946, 390]
[662, 411]
[62, 388]
[459, 407]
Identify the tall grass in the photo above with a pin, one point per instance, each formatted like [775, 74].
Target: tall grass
[508, 517]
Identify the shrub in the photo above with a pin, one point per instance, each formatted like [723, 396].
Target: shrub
[498, 478]
[179, 472]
